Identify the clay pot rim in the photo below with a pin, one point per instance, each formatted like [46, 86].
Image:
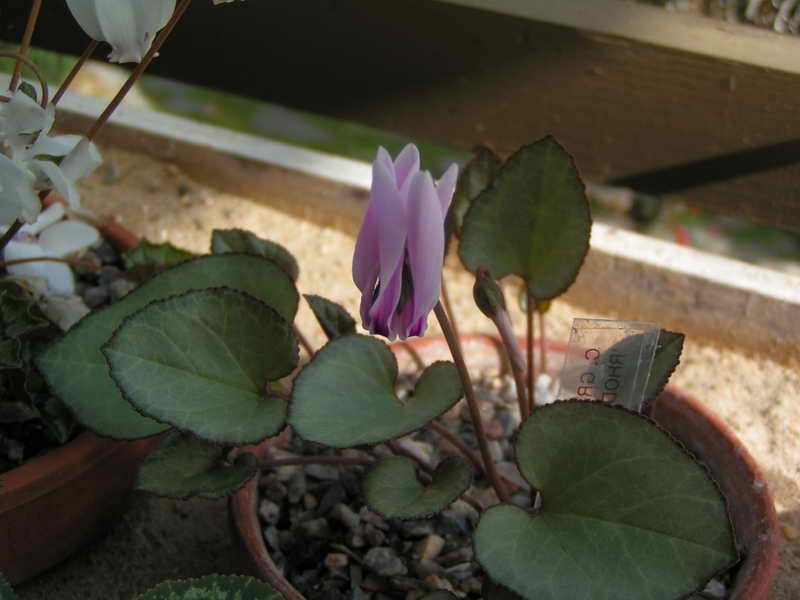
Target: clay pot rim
[245, 524]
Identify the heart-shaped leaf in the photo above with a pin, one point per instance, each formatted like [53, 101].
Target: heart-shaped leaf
[213, 587]
[77, 372]
[532, 221]
[245, 242]
[626, 513]
[475, 177]
[184, 466]
[494, 591]
[392, 489]
[333, 318]
[202, 362]
[345, 396]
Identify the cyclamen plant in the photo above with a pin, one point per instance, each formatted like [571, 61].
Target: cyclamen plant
[206, 351]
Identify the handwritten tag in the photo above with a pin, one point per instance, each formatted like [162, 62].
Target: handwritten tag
[608, 361]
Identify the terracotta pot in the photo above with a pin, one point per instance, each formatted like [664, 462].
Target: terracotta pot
[58, 502]
[750, 505]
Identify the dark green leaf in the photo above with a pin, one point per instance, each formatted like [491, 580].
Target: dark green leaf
[495, 591]
[345, 396]
[155, 257]
[202, 362]
[213, 587]
[333, 318]
[77, 371]
[184, 466]
[238, 240]
[475, 177]
[392, 489]
[626, 513]
[532, 221]
[666, 360]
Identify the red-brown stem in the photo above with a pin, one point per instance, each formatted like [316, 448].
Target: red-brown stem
[304, 342]
[25, 44]
[530, 308]
[36, 71]
[75, 69]
[472, 403]
[459, 444]
[542, 344]
[315, 460]
[449, 308]
[516, 358]
[137, 72]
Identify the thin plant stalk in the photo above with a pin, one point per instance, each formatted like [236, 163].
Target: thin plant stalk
[472, 403]
[397, 449]
[137, 72]
[304, 342]
[10, 233]
[449, 308]
[75, 70]
[36, 71]
[542, 343]
[516, 359]
[25, 44]
[529, 310]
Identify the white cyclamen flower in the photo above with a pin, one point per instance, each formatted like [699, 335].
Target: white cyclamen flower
[18, 200]
[20, 118]
[128, 25]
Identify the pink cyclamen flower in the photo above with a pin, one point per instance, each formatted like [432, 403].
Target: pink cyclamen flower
[400, 250]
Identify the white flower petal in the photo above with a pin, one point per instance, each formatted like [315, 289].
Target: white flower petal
[18, 200]
[59, 277]
[85, 13]
[82, 160]
[22, 115]
[58, 180]
[67, 237]
[49, 216]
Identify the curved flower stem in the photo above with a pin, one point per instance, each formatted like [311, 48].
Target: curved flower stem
[75, 69]
[140, 68]
[460, 445]
[25, 44]
[304, 342]
[472, 402]
[530, 308]
[36, 71]
[515, 358]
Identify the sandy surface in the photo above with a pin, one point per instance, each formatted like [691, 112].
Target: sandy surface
[755, 396]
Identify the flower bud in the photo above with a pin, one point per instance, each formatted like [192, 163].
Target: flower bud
[488, 295]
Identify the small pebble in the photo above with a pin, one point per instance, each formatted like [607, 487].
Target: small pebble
[334, 495]
[424, 568]
[790, 532]
[322, 471]
[460, 571]
[315, 528]
[95, 296]
[310, 501]
[373, 535]
[273, 537]
[336, 560]
[438, 583]
[417, 528]
[296, 487]
[373, 518]
[384, 561]
[430, 547]
[346, 516]
[120, 288]
[269, 511]
[374, 583]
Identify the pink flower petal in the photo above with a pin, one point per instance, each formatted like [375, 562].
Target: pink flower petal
[446, 187]
[406, 165]
[425, 243]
